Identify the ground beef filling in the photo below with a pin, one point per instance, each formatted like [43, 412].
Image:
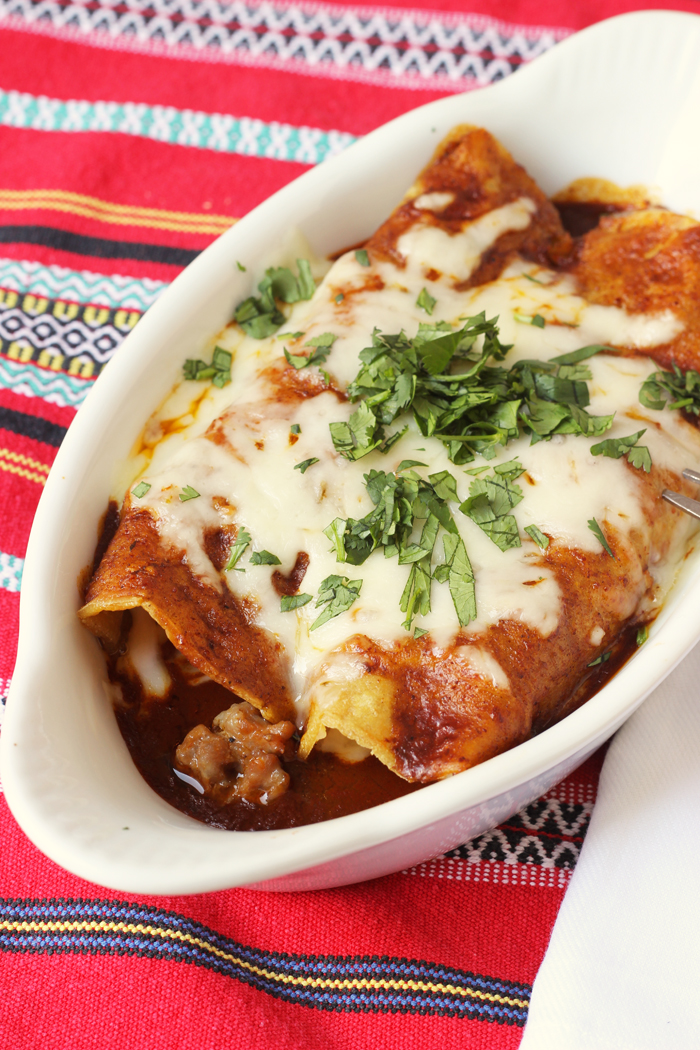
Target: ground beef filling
[238, 758]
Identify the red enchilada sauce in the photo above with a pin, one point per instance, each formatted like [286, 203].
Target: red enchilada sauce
[320, 788]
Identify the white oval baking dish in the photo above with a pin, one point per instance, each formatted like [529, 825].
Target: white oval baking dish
[620, 100]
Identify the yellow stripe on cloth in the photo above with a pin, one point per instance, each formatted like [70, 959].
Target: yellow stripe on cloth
[109, 212]
[282, 978]
[16, 463]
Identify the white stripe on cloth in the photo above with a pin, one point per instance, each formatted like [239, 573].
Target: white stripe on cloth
[390, 46]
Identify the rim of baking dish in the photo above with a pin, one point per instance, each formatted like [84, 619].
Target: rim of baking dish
[620, 79]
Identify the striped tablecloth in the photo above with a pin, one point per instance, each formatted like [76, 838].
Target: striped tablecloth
[133, 132]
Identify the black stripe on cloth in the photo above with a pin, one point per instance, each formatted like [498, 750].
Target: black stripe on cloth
[32, 426]
[340, 983]
[99, 247]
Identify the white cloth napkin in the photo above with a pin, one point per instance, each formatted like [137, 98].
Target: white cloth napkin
[623, 966]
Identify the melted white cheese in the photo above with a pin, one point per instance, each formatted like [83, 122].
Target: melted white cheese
[345, 749]
[483, 664]
[143, 654]
[433, 201]
[596, 635]
[458, 255]
[286, 511]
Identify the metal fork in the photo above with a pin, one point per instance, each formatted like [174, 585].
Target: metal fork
[690, 506]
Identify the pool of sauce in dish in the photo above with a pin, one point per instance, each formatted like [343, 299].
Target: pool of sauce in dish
[580, 217]
[320, 788]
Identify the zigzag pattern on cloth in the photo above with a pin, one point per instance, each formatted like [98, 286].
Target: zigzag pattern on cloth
[406, 48]
[547, 832]
[80, 286]
[56, 388]
[547, 835]
[23, 466]
[10, 572]
[326, 982]
[186, 127]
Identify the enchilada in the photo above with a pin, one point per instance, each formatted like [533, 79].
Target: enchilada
[414, 523]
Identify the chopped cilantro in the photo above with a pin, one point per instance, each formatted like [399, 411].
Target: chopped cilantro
[264, 558]
[238, 547]
[598, 533]
[241, 266]
[490, 502]
[400, 503]
[321, 345]
[322, 341]
[640, 457]
[637, 455]
[219, 371]
[188, 493]
[460, 579]
[600, 659]
[474, 409]
[141, 489]
[583, 354]
[362, 257]
[539, 538]
[416, 594]
[337, 593]
[406, 464]
[642, 634]
[294, 601]
[426, 301]
[339, 297]
[444, 485]
[261, 317]
[537, 319]
[534, 280]
[307, 285]
[295, 429]
[305, 464]
[354, 439]
[676, 389]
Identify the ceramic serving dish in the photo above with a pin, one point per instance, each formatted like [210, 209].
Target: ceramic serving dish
[620, 100]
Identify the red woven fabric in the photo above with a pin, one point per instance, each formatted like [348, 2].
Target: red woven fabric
[88, 236]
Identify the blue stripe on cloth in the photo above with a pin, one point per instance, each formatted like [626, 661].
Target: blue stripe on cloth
[57, 388]
[325, 982]
[80, 286]
[215, 131]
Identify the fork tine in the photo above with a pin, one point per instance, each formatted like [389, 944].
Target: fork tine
[691, 475]
[690, 506]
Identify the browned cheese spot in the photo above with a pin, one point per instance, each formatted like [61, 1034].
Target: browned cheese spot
[289, 585]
